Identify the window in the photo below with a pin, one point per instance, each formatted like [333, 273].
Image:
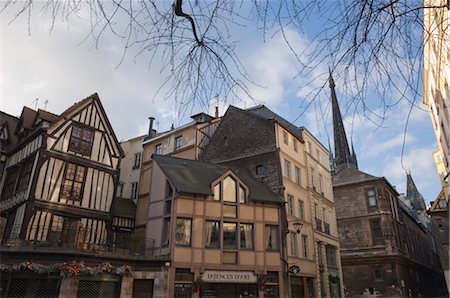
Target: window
[260, 170]
[295, 142]
[290, 204]
[229, 190]
[246, 231]
[242, 195]
[318, 155]
[377, 236]
[285, 137]
[301, 209]
[165, 232]
[137, 160]
[158, 149]
[309, 148]
[212, 234]
[331, 255]
[443, 203]
[73, 181]
[217, 192]
[320, 183]
[168, 207]
[378, 273]
[229, 235]
[25, 174]
[134, 190]
[298, 177]
[287, 168]
[313, 184]
[183, 232]
[178, 142]
[305, 246]
[371, 198]
[10, 182]
[271, 237]
[81, 140]
[294, 247]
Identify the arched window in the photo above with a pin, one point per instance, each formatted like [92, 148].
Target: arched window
[230, 191]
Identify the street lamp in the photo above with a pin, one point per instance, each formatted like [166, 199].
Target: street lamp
[297, 226]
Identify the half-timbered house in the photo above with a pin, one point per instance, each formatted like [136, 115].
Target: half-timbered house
[60, 177]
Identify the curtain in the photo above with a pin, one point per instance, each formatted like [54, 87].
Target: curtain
[247, 236]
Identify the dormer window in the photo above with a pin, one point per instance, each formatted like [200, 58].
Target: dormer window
[81, 140]
[230, 191]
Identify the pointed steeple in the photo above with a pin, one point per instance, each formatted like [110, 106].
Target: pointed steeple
[331, 158]
[354, 155]
[342, 155]
[413, 194]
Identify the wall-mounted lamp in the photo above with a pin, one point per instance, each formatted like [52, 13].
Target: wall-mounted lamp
[297, 226]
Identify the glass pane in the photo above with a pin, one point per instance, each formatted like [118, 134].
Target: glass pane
[229, 235]
[229, 211]
[229, 190]
[271, 237]
[241, 194]
[217, 192]
[212, 234]
[230, 257]
[372, 201]
[371, 192]
[183, 231]
[246, 236]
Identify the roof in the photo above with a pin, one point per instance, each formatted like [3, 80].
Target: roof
[196, 177]
[265, 113]
[10, 122]
[122, 207]
[47, 116]
[351, 175]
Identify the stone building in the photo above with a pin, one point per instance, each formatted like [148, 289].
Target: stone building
[385, 251]
[130, 167]
[274, 151]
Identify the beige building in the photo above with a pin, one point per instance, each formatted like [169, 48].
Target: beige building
[219, 227]
[130, 168]
[323, 213]
[436, 73]
[186, 141]
[275, 152]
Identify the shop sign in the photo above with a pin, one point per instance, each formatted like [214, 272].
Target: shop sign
[229, 276]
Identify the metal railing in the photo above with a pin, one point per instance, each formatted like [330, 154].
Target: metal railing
[80, 239]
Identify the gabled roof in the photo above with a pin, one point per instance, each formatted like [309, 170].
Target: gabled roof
[122, 207]
[350, 175]
[9, 122]
[78, 105]
[47, 116]
[196, 177]
[263, 112]
[413, 194]
[436, 206]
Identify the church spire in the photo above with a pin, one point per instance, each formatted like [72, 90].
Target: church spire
[413, 194]
[354, 155]
[331, 158]
[342, 155]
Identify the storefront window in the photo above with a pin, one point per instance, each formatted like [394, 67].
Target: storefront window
[272, 237]
[183, 231]
[229, 235]
[246, 236]
[212, 234]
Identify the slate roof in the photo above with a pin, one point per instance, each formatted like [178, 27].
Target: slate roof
[265, 113]
[122, 207]
[350, 175]
[10, 122]
[195, 177]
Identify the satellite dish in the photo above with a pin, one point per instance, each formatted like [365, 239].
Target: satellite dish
[294, 269]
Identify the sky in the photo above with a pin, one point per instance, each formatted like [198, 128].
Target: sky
[58, 69]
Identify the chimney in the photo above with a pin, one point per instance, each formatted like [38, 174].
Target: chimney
[151, 131]
[216, 114]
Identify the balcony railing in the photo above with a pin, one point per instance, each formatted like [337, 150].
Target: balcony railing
[46, 237]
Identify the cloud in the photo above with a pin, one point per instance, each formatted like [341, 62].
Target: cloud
[420, 162]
